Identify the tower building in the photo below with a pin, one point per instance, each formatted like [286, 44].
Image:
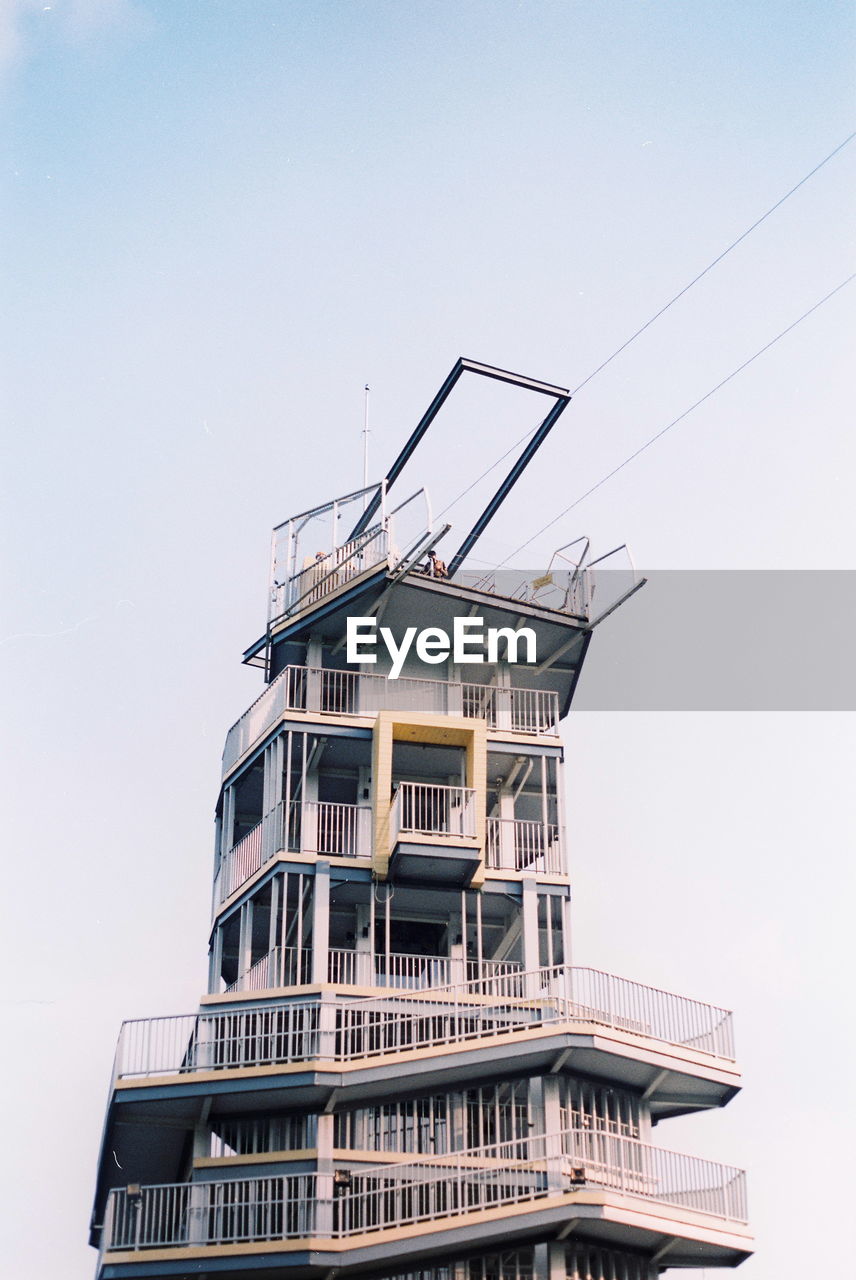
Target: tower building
[397, 1070]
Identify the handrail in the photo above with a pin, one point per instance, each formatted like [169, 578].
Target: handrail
[522, 844]
[344, 692]
[390, 1196]
[427, 808]
[291, 1031]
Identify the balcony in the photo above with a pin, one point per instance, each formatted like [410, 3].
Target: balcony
[355, 693]
[448, 1192]
[433, 835]
[335, 830]
[515, 844]
[495, 1003]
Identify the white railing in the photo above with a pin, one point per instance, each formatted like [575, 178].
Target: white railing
[200, 1213]
[290, 966]
[518, 844]
[420, 808]
[413, 972]
[387, 1197]
[531, 1168]
[358, 693]
[281, 967]
[343, 830]
[242, 861]
[328, 572]
[385, 1024]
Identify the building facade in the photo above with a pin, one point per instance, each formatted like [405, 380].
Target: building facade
[397, 1070]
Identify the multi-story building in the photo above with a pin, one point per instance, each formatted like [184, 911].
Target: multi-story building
[396, 1070]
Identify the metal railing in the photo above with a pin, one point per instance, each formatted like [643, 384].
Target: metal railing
[413, 972]
[359, 693]
[652, 1012]
[451, 1185]
[288, 966]
[200, 1213]
[343, 830]
[328, 572]
[241, 862]
[531, 1168]
[492, 1005]
[518, 844]
[281, 967]
[420, 808]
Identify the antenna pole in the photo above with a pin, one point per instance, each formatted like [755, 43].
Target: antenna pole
[366, 446]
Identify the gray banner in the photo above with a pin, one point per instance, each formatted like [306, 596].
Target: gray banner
[730, 640]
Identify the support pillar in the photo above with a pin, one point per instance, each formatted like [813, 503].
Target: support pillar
[321, 922]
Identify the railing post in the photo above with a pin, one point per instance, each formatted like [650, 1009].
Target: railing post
[313, 689]
[109, 1222]
[321, 921]
[454, 698]
[327, 1026]
[324, 1186]
[197, 1213]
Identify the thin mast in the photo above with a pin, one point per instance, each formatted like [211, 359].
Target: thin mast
[366, 446]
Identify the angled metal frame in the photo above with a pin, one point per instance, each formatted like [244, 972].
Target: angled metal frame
[562, 400]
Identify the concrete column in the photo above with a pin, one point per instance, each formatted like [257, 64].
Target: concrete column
[321, 921]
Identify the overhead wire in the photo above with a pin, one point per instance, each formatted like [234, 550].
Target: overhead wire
[681, 416]
[662, 311]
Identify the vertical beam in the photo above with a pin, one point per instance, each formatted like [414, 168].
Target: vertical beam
[531, 951]
[321, 921]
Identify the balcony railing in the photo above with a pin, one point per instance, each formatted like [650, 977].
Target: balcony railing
[515, 844]
[292, 966]
[343, 830]
[358, 693]
[420, 808]
[489, 1005]
[387, 1197]
[326, 573]
[281, 967]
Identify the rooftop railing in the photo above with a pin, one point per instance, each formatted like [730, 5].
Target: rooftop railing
[325, 573]
[497, 1004]
[357, 693]
[450, 1186]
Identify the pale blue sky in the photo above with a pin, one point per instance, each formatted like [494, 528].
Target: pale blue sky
[219, 221]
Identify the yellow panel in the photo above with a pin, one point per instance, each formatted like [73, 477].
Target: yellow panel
[403, 726]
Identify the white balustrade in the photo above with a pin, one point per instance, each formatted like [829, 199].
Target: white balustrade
[515, 844]
[420, 808]
[487, 1005]
[452, 1185]
[358, 693]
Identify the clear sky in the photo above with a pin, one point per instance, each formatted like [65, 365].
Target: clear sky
[219, 221]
